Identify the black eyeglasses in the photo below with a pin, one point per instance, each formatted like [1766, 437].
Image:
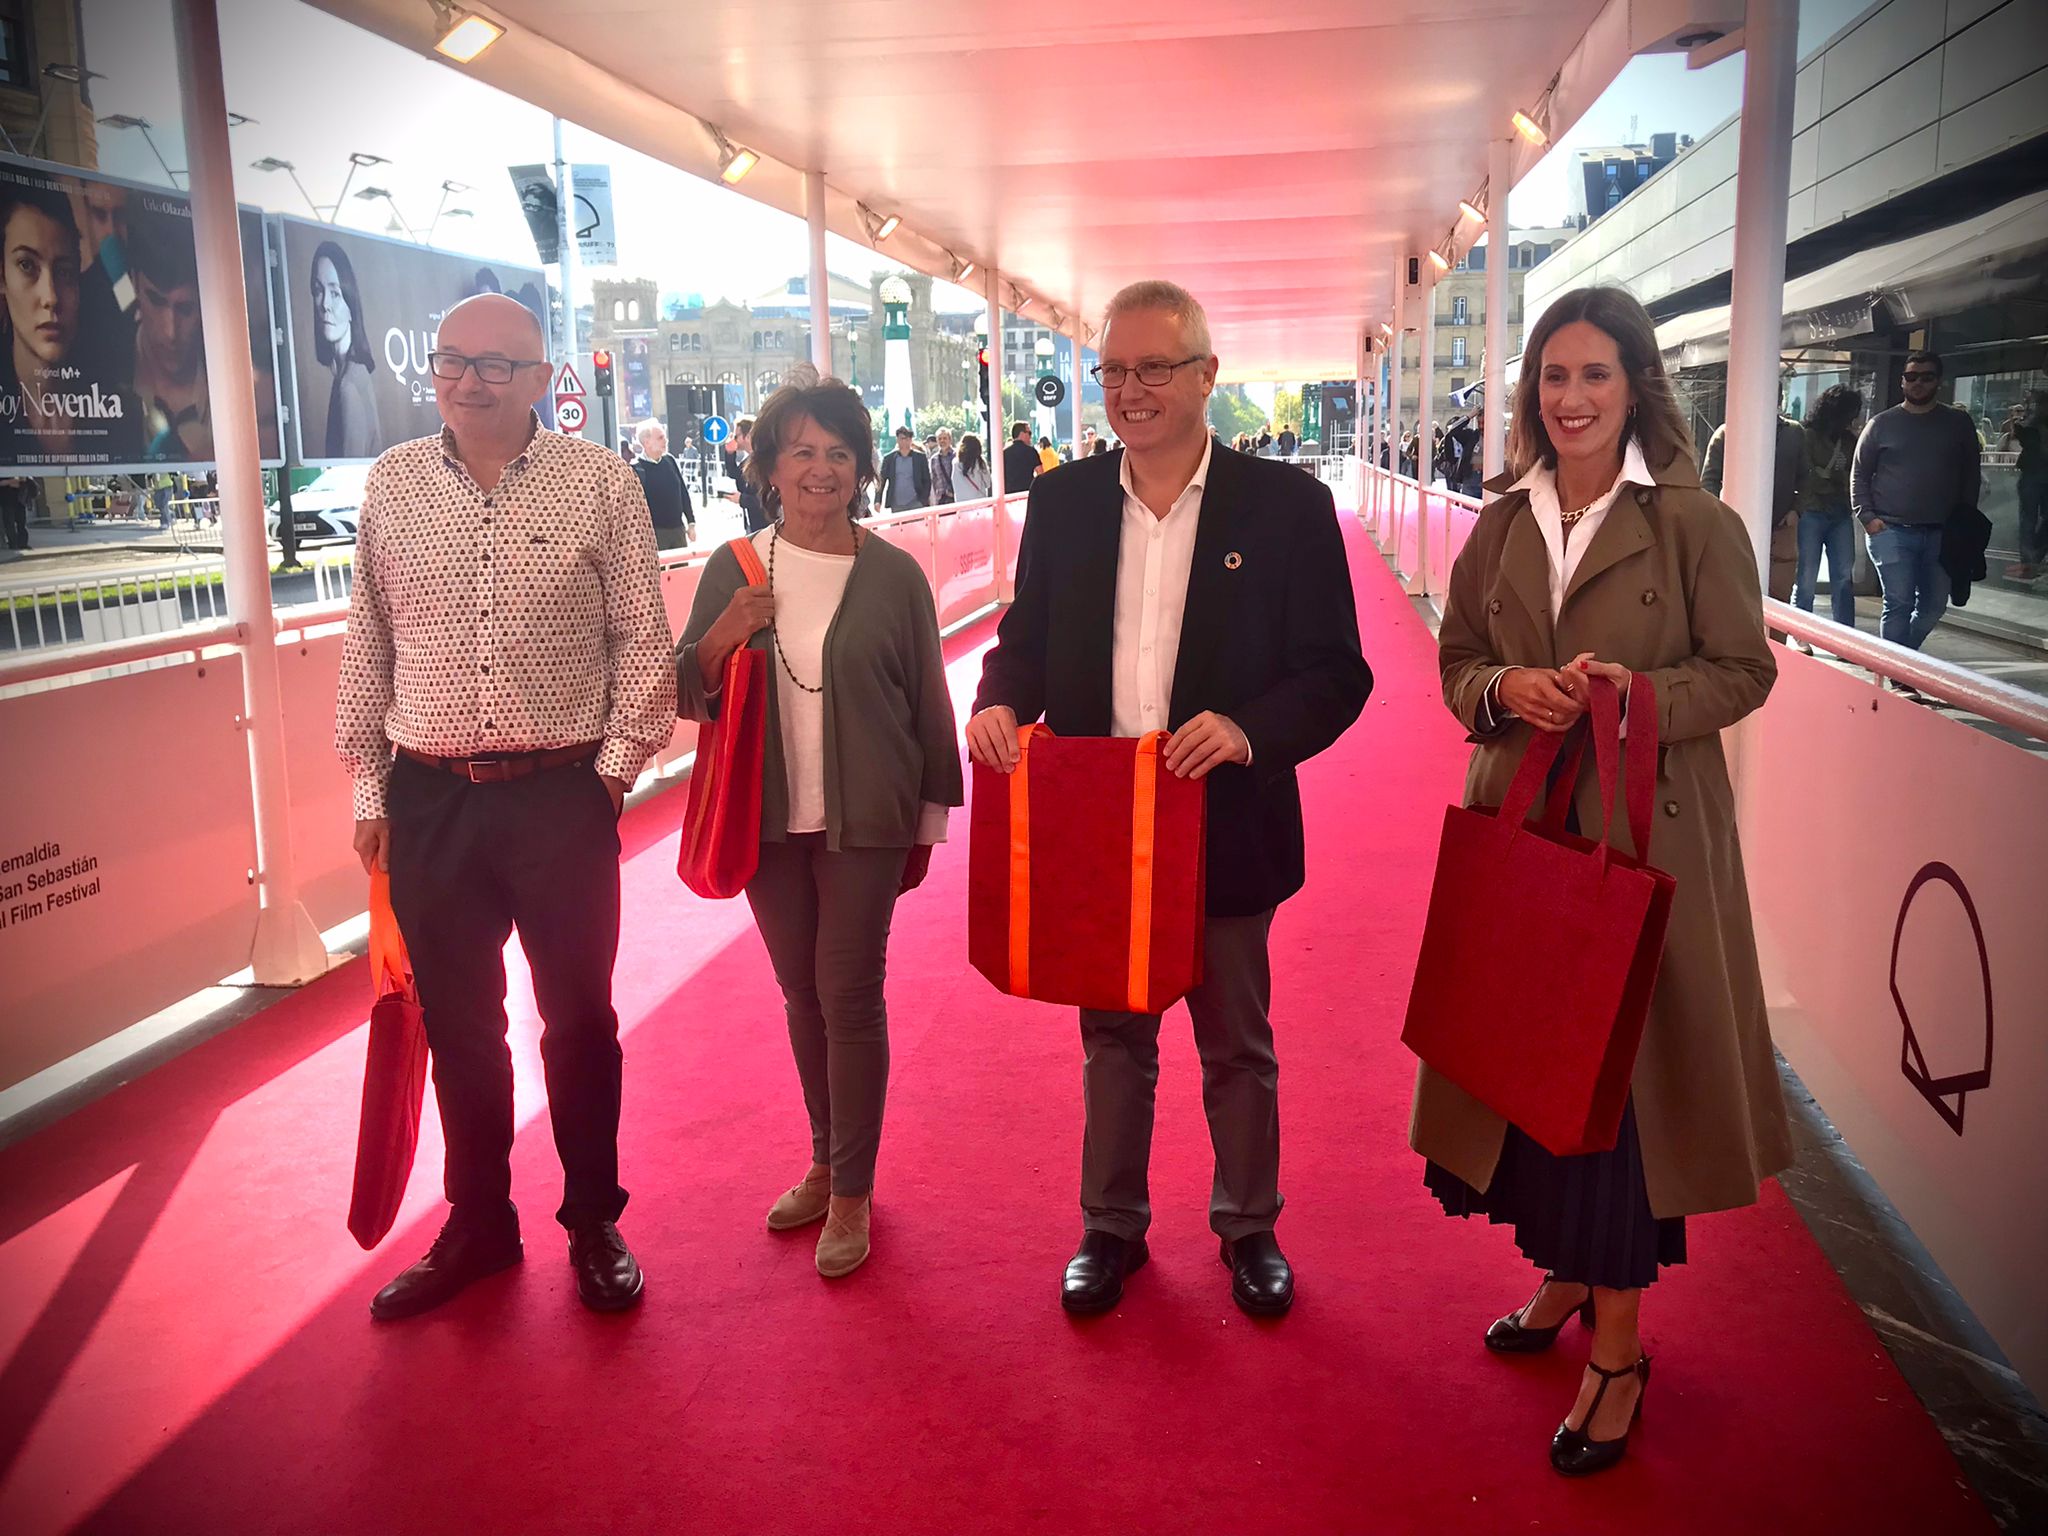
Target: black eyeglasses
[1920, 376]
[451, 366]
[1112, 375]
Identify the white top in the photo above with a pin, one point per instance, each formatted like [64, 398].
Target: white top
[1567, 546]
[1154, 559]
[808, 587]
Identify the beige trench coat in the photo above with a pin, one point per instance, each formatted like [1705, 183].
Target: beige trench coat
[1668, 587]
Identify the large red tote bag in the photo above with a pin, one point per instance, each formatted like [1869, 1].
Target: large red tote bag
[1085, 873]
[394, 1077]
[1542, 947]
[722, 822]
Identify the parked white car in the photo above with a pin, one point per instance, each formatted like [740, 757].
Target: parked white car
[327, 508]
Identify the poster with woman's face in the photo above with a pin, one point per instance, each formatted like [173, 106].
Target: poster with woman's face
[102, 356]
[364, 314]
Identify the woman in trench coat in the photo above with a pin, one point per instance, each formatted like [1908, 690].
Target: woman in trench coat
[1600, 556]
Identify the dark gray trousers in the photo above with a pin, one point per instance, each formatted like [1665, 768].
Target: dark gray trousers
[1240, 1092]
[825, 919]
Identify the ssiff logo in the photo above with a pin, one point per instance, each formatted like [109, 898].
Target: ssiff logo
[1931, 973]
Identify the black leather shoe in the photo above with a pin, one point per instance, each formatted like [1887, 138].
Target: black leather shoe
[1577, 1454]
[1261, 1280]
[460, 1255]
[1095, 1275]
[608, 1277]
[1510, 1336]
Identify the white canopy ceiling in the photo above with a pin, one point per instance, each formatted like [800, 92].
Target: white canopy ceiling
[1277, 160]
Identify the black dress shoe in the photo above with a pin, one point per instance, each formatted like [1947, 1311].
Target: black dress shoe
[1576, 1453]
[1095, 1275]
[1261, 1280]
[608, 1277]
[463, 1253]
[1510, 1336]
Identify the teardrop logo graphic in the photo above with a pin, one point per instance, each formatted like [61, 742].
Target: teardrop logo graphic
[1948, 1057]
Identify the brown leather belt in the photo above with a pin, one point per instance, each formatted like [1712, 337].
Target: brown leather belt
[499, 767]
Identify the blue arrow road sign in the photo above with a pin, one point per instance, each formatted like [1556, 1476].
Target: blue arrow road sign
[716, 430]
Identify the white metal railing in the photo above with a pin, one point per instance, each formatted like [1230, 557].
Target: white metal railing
[334, 572]
[47, 613]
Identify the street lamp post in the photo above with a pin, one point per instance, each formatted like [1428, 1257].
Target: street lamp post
[1047, 420]
[125, 120]
[272, 163]
[853, 357]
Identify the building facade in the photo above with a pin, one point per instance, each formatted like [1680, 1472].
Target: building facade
[750, 348]
[1458, 321]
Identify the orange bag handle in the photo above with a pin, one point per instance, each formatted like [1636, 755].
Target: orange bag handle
[390, 965]
[749, 559]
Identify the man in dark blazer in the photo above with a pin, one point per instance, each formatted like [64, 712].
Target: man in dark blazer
[1177, 585]
[904, 481]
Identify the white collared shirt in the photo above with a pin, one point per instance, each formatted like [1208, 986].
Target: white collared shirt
[1568, 545]
[1154, 558]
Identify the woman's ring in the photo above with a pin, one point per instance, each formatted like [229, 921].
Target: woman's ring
[1551, 713]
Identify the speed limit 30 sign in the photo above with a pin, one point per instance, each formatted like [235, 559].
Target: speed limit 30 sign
[569, 414]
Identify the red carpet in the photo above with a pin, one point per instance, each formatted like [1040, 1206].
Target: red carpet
[182, 1314]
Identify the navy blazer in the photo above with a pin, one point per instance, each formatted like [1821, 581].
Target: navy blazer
[1270, 638]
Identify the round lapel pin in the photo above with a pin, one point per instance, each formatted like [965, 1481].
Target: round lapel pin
[1232, 561]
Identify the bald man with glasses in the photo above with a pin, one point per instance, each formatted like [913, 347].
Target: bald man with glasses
[505, 678]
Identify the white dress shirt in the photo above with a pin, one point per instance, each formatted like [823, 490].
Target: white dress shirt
[1154, 559]
[1567, 546]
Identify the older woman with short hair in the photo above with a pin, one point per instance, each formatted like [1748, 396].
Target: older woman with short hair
[862, 763]
[1602, 556]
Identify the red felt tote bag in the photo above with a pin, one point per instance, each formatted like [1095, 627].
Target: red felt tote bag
[722, 822]
[1085, 873]
[1541, 947]
[394, 1077]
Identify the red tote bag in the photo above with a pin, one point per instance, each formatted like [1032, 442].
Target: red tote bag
[1515, 901]
[394, 1077]
[722, 822]
[1085, 873]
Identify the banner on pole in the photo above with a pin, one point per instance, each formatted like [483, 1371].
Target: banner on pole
[102, 358]
[597, 239]
[541, 203]
[363, 315]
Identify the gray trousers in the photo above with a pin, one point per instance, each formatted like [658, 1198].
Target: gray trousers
[1240, 1093]
[825, 919]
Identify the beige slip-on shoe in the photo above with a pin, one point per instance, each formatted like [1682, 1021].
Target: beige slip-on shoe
[802, 1203]
[843, 1245]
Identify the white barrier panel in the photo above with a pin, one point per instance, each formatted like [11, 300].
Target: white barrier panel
[963, 561]
[331, 880]
[126, 852]
[1898, 867]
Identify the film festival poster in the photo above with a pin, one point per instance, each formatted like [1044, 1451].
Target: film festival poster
[104, 365]
[364, 312]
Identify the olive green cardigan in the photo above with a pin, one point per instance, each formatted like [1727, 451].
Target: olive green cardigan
[890, 741]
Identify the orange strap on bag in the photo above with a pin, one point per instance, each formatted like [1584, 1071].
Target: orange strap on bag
[1144, 829]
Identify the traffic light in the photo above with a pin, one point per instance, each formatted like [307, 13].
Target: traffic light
[601, 373]
[984, 378]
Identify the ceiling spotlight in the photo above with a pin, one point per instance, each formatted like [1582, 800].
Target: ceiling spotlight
[962, 270]
[888, 227]
[734, 161]
[1471, 211]
[1525, 125]
[1436, 259]
[463, 34]
[1022, 304]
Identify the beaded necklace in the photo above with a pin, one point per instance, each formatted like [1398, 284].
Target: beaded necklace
[774, 539]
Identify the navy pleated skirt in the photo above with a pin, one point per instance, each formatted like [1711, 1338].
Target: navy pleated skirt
[1584, 1219]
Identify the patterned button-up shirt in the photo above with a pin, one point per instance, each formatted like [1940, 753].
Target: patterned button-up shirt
[511, 620]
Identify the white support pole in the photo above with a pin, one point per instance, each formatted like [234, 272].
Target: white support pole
[1756, 308]
[286, 948]
[998, 431]
[1390, 523]
[1077, 335]
[565, 229]
[1493, 437]
[1425, 421]
[820, 279]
